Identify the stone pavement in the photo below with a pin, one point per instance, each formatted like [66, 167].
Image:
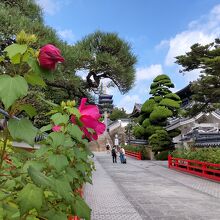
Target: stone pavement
[148, 190]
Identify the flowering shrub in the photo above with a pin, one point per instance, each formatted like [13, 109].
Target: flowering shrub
[42, 184]
[89, 116]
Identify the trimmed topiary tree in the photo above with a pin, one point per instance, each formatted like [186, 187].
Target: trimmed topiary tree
[154, 114]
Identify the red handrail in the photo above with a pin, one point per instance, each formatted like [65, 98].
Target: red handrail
[136, 155]
[199, 168]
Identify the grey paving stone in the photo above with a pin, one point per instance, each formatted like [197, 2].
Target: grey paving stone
[106, 200]
[149, 190]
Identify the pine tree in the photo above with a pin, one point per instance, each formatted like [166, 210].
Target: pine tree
[206, 89]
[163, 104]
[105, 55]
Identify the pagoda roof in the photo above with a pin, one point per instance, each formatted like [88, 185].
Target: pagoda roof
[185, 92]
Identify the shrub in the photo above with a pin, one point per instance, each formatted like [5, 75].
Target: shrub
[162, 155]
[148, 106]
[160, 113]
[211, 155]
[142, 149]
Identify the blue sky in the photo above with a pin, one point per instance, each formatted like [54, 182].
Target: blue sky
[158, 30]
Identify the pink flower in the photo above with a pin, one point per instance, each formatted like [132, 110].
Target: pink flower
[56, 128]
[48, 57]
[90, 119]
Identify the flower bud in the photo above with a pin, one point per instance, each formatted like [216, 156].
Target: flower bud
[49, 56]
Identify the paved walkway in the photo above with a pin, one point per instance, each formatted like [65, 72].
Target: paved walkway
[148, 190]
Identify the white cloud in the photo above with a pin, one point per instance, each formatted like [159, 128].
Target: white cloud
[203, 31]
[182, 42]
[67, 35]
[162, 44]
[127, 102]
[150, 72]
[50, 7]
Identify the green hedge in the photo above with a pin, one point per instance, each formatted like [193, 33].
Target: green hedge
[163, 155]
[144, 151]
[211, 155]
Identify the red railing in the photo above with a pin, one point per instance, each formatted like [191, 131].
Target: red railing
[202, 169]
[136, 155]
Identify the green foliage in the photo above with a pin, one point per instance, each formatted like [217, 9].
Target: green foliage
[204, 58]
[160, 141]
[160, 114]
[175, 132]
[151, 129]
[42, 184]
[169, 103]
[12, 88]
[148, 106]
[154, 114]
[138, 131]
[30, 197]
[162, 155]
[118, 113]
[211, 155]
[145, 154]
[106, 55]
[22, 130]
[146, 123]
[26, 15]
[173, 96]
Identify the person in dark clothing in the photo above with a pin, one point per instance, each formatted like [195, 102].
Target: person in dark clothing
[114, 155]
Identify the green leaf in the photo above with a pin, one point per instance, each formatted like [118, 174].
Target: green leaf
[81, 209]
[80, 167]
[59, 118]
[9, 184]
[11, 89]
[16, 59]
[1, 58]
[55, 215]
[36, 164]
[34, 65]
[75, 131]
[63, 189]
[11, 211]
[39, 178]
[22, 130]
[29, 109]
[59, 162]
[71, 174]
[46, 128]
[68, 142]
[57, 138]
[42, 151]
[30, 197]
[73, 111]
[15, 49]
[35, 79]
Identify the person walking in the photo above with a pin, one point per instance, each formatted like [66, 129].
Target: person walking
[114, 155]
[108, 148]
[122, 155]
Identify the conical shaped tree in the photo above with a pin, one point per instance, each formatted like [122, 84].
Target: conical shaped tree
[162, 105]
